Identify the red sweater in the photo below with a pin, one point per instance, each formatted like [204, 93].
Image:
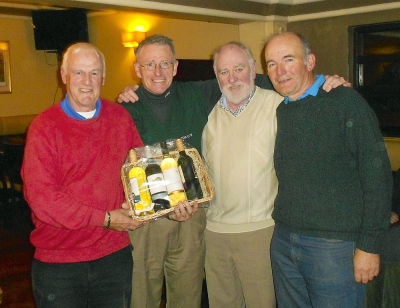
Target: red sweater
[71, 175]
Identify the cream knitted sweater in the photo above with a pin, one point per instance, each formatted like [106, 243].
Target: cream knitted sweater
[238, 153]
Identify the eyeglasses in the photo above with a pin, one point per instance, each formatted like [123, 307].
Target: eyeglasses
[151, 66]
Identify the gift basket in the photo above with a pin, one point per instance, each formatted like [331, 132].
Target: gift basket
[157, 177]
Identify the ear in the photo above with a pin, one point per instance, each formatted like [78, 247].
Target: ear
[137, 70]
[63, 76]
[311, 62]
[175, 68]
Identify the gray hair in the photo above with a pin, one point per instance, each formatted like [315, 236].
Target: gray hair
[241, 46]
[82, 46]
[156, 39]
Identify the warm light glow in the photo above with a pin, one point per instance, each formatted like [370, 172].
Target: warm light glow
[133, 39]
[3, 45]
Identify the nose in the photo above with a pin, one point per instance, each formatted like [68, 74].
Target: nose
[86, 78]
[232, 77]
[280, 70]
[157, 70]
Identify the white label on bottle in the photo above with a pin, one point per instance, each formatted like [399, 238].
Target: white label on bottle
[156, 183]
[173, 180]
[135, 188]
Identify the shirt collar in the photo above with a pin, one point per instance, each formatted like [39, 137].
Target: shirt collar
[224, 104]
[313, 90]
[67, 108]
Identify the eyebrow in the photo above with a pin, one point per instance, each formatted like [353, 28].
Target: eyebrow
[236, 66]
[284, 57]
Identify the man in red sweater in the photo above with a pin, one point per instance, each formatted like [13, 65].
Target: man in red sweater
[71, 172]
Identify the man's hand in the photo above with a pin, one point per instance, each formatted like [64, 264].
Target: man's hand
[183, 211]
[394, 218]
[333, 82]
[122, 220]
[128, 95]
[366, 266]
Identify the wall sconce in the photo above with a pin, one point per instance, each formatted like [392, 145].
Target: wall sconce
[133, 39]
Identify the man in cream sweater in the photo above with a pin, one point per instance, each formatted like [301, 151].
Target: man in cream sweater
[238, 147]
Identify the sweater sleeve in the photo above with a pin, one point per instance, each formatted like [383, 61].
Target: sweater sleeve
[212, 92]
[262, 81]
[42, 184]
[365, 141]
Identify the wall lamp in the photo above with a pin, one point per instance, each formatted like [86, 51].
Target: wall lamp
[133, 39]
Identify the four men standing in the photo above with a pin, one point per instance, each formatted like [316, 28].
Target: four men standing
[333, 172]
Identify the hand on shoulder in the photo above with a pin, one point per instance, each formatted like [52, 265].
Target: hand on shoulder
[128, 95]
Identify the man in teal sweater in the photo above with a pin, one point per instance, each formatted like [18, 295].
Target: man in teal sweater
[334, 197]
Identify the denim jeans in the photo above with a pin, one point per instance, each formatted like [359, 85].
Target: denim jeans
[105, 282]
[314, 272]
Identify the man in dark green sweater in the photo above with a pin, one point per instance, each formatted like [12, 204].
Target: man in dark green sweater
[334, 175]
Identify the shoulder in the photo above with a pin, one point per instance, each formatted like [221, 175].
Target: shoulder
[113, 107]
[115, 111]
[344, 93]
[269, 95]
[191, 87]
[47, 117]
[347, 100]
[343, 96]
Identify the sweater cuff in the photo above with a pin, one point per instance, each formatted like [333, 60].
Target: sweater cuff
[97, 218]
[370, 243]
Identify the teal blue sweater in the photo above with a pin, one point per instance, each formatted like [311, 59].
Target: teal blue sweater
[333, 169]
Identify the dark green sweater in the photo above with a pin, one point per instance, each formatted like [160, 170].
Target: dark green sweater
[185, 112]
[333, 169]
[181, 112]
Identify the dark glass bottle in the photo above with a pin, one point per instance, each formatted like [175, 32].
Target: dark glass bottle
[186, 166]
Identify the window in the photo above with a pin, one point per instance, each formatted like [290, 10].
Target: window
[376, 71]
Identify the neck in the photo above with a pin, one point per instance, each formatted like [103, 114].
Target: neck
[307, 83]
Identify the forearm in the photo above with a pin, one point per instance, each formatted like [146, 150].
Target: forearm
[376, 181]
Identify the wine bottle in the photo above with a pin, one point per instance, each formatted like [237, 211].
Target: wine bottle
[188, 172]
[137, 179]
[169, 168]
[156, 183]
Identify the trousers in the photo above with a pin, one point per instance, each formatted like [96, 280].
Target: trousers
[314, 272]
[101, 283]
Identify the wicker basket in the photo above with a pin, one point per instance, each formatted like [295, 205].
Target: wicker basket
[208, 191]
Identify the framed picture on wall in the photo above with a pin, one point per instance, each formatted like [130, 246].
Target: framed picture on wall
[5, 76]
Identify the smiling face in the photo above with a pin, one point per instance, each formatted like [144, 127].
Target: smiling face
[288, 69]
[83, 76]
[158, 80]
[235, 72]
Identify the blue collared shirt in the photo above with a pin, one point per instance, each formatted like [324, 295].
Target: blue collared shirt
[66, 106]
[313, 90]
